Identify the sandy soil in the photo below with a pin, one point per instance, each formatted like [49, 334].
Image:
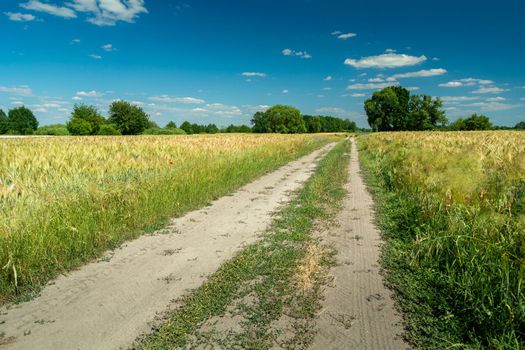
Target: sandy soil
[358, 312]
[107, 304]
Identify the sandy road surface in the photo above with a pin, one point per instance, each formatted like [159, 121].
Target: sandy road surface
[107, 304]
[358, 312]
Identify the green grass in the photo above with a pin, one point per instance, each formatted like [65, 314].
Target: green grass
[453, 221]
[64, 201]
[276, 278]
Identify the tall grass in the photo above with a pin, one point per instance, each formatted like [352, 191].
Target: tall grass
[63, 201]
[453, 207]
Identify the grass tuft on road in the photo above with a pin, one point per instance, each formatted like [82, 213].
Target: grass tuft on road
[269, 293]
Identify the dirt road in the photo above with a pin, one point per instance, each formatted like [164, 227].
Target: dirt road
[358, 312]
[107, 304]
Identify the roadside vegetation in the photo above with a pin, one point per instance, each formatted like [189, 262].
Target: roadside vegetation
[64, 201]
[452, 208]
[270, 286]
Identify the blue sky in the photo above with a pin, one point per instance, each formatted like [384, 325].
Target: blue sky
[211, 61]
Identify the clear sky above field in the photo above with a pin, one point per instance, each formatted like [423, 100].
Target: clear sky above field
[221, 61]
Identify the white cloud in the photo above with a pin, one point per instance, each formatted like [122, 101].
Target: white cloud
[376, 80]
[91, 93]
[458, 98]
[301, 54]
[75, 41]
[370, 86]
[95, 57]
[20, 17]
[336, 32]
[109, 12]
[39, 6]
[412, 88]
[357, 95]
[346, 36]
[23, 90]
[435, 58]
[224, 110]
[387, 60]
[327, 88]
[390, 51]
[254, 74]
[522, 99]
[284, 91]
[488, 90]
[328, 78]
[108, 48]
[496, 99]
[492, 106]
[466, 82]
[168, 99]
[451, 84]
[76, 98]
[419, 74]
[337, 111]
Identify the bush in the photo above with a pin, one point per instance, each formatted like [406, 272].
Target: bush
[164, 131]
[280, 119]
[55, 130]
[21, 121]
[90, 115]
[108, 129]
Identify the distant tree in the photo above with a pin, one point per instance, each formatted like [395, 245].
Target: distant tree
[425, 113]
[520, 126]
[244, 129]
[312, 123]
[152, 124]
[21, 121]
[90, 115]
[128, 118]
[171, 125]
[186, 126]
[54, 129]
[237, 128]
[388, 109]
[198, 129]
[3, 122]
[108, 130]
[212, 129]
[474, 122]
[280, 119]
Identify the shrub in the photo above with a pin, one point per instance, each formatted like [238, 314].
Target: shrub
[55, 130]
[88, 114]
[108, 129]
[77, 126]
[128, 118]
[164, 131]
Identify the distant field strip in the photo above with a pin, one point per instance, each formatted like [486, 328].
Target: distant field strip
[452, 206]
[63, 201]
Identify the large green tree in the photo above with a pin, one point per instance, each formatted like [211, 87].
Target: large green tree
[21, 121]
[128, 118]
[312, 123]
[388, 109]
[425, 113]
[3, 122]
[85, 120]
[280, 119]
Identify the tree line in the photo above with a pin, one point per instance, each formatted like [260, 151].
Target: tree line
[126, 118]
[394, 109]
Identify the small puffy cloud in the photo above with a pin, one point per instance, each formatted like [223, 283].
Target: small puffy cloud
[20, 17]
[412, 88]
[22, 90]
[466, 82]
[358, 95]
[387, 60]
[336, 111]
[492, 106]
[95, 57]
[451, 84]
[301, 54]
[419, 74]
[91, 93]
[327, 88]
[108, 47]
[328, 78]
[284, 91]
[54, 10]
[376, 80]
[522, 99]
[370, 86]
[254, 74]
[336, 32]
[168, 99]
[488, 90]
[75, 41]
[435, 59]
[390, 51]
[76, 98]
[346, 36]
